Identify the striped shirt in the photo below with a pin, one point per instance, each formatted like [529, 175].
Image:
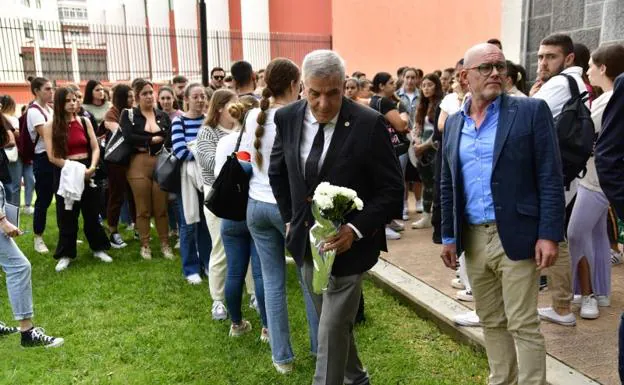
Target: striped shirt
[207, 141]
[184, 130]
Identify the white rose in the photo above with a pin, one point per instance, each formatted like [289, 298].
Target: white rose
[359, 205]
[324, 202]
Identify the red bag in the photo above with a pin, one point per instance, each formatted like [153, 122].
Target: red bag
[25, 145]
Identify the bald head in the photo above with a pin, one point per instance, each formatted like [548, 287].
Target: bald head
[474, 56]
[484, 64]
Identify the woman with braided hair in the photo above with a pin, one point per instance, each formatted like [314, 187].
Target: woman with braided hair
[263, 217]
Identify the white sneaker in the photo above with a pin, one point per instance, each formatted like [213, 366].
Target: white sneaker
[405, 213]
[464, 295]
[146, 253]
[391, 234]
[589, 307]
[177, 245]
[29, 210]
[239, 330]
[40, 245]
[194, 279]
[283, 368]
[419, 206]
[457, 283]
[603, 300]
[467, 319]
[167, 252]
[549, 314]
[102, 256]
[396, 226]
[423, 223]
[290, 261]
[617, 257]
[219, 312]
[62, 264]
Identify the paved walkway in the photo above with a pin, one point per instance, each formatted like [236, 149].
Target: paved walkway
[590, 347]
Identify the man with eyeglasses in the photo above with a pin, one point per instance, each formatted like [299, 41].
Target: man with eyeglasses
[503, 204]
[217, 74]
[555, 58]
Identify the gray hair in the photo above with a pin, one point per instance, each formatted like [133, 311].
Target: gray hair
[323, 63]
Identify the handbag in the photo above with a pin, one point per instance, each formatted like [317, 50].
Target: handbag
[399, 141]
[118, 150]
[167, 171]
[230, 192]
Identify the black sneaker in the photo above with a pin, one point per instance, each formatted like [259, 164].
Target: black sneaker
[116, 241]
[7, 330]
[37, 337]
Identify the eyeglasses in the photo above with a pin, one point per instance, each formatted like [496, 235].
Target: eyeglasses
[218, 77]
[486, 69]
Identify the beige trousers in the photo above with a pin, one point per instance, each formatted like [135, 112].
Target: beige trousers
[505, 294]
[560, 279]
[217, 267]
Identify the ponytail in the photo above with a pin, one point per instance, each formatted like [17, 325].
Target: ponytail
[262, 116]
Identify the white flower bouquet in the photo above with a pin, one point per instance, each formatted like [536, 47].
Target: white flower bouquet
[330, 206]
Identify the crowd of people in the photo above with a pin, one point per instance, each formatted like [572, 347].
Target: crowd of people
[478, 149]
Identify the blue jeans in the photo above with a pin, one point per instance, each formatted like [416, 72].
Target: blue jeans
[239, 249]
[18, 170]
[195, 242]
[267, 228]
[18, 272]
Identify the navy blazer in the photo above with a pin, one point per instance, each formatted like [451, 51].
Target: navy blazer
[610, 149]
[527, 178]
[360, 157]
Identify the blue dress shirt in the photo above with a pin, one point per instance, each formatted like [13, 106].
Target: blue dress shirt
[476, 157]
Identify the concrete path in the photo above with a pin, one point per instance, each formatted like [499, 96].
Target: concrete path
[576, 354]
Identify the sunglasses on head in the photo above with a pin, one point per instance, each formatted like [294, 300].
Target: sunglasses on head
[218, 77]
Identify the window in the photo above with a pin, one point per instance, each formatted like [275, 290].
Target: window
[28, 29]
[41, 34]
[73, 13]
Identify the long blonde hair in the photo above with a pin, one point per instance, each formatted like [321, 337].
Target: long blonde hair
[218, 101]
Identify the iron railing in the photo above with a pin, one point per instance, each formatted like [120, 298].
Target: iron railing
[77, 52]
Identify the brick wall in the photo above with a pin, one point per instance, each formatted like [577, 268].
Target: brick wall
[591, 22]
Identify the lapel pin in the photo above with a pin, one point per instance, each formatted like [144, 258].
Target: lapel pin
[346, 124]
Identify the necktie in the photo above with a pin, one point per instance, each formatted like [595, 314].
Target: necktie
[312, 163]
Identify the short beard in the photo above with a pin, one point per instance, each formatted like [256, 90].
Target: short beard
[559, 70]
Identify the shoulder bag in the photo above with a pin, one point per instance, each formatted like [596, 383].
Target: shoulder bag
[118, 150]
[230, 191]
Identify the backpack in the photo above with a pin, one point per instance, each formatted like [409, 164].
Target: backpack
[399, 141]
[576, 134]
[25, 145]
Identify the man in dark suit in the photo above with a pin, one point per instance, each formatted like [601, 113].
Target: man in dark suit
[326, 137]
[503, 204]
[610, 167]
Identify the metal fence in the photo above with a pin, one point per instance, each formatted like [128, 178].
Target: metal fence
[75, 52]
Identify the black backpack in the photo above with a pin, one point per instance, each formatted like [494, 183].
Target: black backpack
[575, 130]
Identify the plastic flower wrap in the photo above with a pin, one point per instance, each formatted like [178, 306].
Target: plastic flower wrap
[330, 206]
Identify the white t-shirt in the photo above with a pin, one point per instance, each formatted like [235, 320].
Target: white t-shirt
[259, 186]
[450, 104]
[556, 91]
[34, 119]
[13, 121]
[226, 146]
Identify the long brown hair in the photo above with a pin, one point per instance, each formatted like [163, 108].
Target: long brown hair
[278, 76]
[219, 99]
[60, 126]
[427, 106]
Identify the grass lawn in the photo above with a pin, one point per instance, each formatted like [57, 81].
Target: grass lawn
[139, 322]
